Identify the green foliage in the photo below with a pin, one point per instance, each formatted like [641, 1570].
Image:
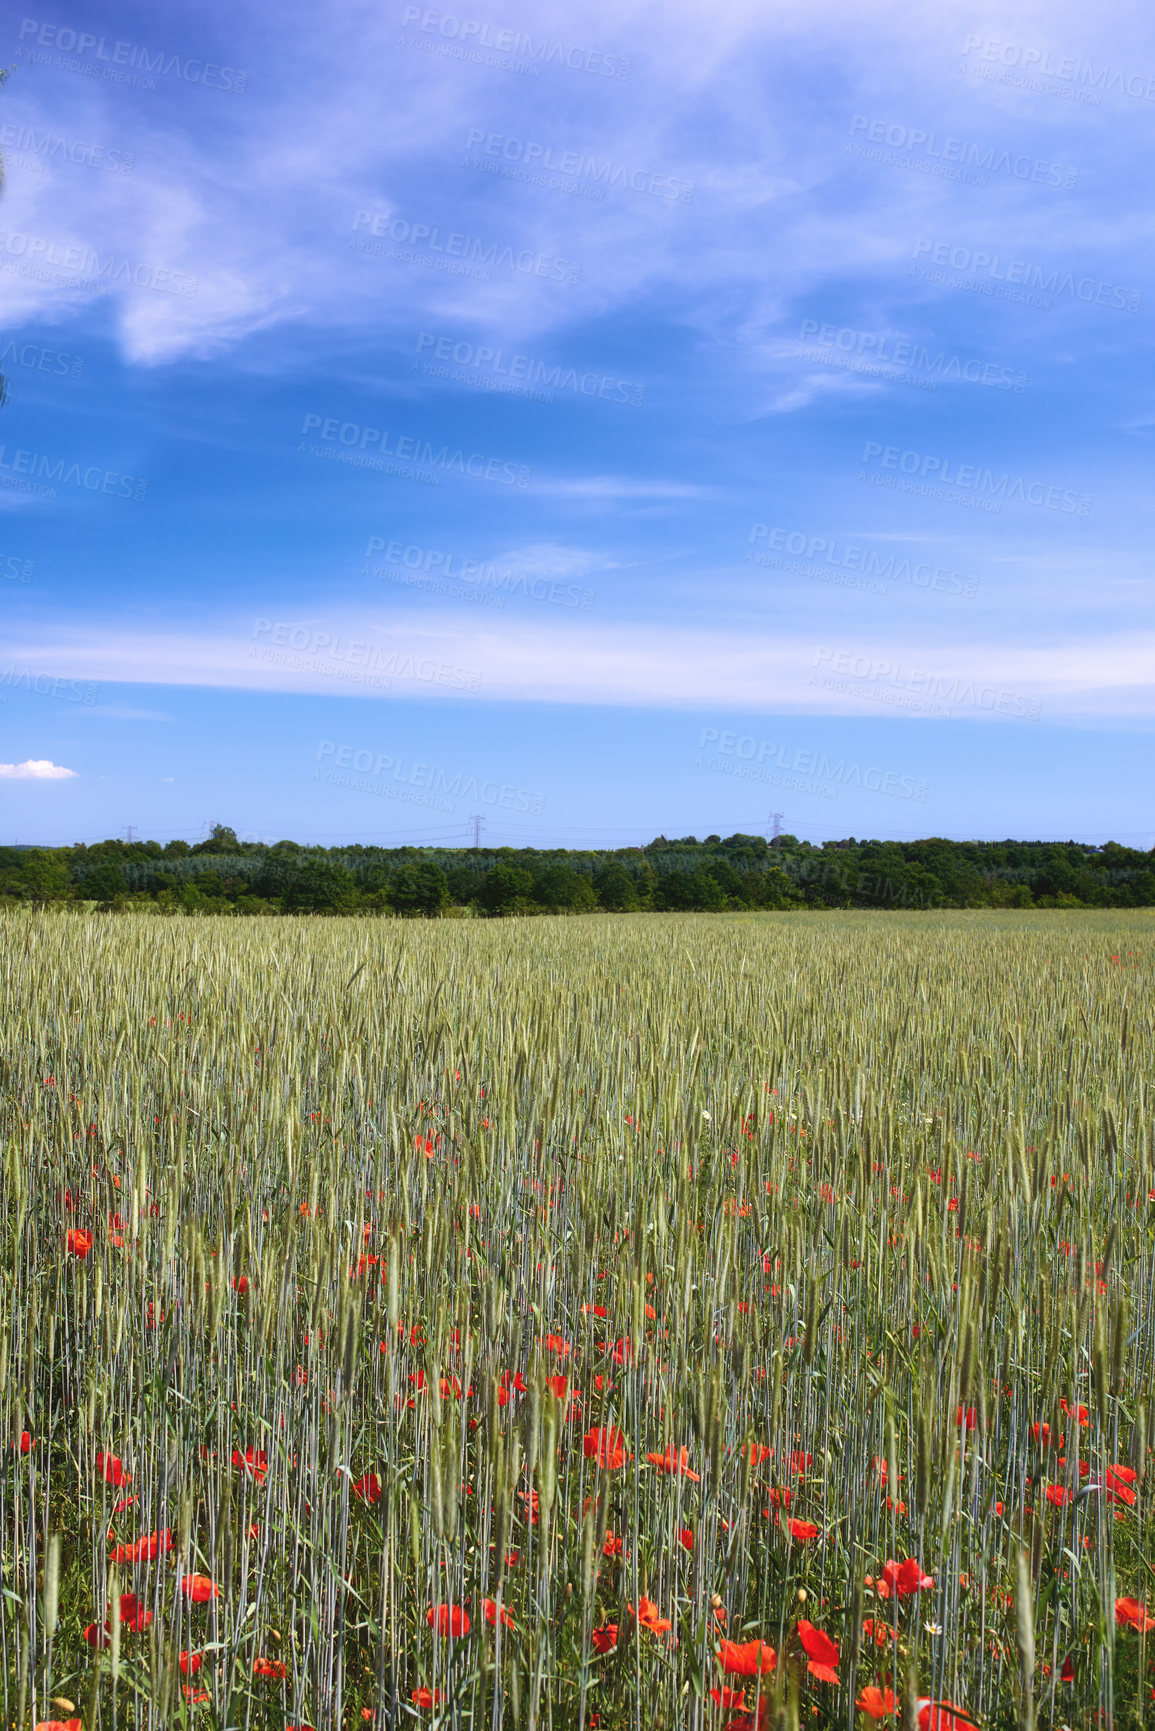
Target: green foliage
[419, 890]
[739, 872]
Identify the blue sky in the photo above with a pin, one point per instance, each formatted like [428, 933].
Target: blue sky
[606, 420]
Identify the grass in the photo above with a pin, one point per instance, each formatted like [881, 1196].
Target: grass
[833, 1180]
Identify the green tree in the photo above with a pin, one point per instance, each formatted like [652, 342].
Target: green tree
[103, 883]
[690, 892]
[316, 885]
[464, 884]
[46, 877]
[419, 890]
[558, 887]
[221, 839]
[505, 890]
[616, 888]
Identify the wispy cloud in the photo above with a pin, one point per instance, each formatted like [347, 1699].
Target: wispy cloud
[630, 663]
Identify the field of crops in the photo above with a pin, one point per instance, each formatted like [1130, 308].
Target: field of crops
[640, 1321]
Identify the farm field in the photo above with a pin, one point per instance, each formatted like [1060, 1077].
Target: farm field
[636, 1321]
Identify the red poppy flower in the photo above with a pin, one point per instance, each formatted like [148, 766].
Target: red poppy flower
[686, 1538]
[98, 1635]
[448, 1620]
[132, 1612]
[254, 1463]
[623, 1351]
[557, 1343]
[194, 1696]
[78, 1240]
[943, 1716]
[1132, 1613]
[605, 1638]
[190, 1663]
[669, 1463]
[240, 1283]
[276, 1668]
[901, 1578]
[759, 1452]
[199, 1589]
[112, 1470]
[648, 1618]
[728, 1697]
[1058, 1495]
[368, 1488]
[557, 1385]
[606, 1446]
[877, 1703]
[966, 1419]
[878, 1632]
[747, 1658]
[155, 1545]
[1117, 1482]
[60, 1725]
[25, 1445]
[802, 1530]
[425, 1698]
[820, 1650]
[759, 1720]
[493, 1615]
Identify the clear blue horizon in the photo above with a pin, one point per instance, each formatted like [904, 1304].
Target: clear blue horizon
[605, 421]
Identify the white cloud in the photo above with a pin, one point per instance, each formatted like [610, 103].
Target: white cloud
[667, 666]
[36, 769]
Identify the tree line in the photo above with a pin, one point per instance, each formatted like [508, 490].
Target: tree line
[223, 874]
